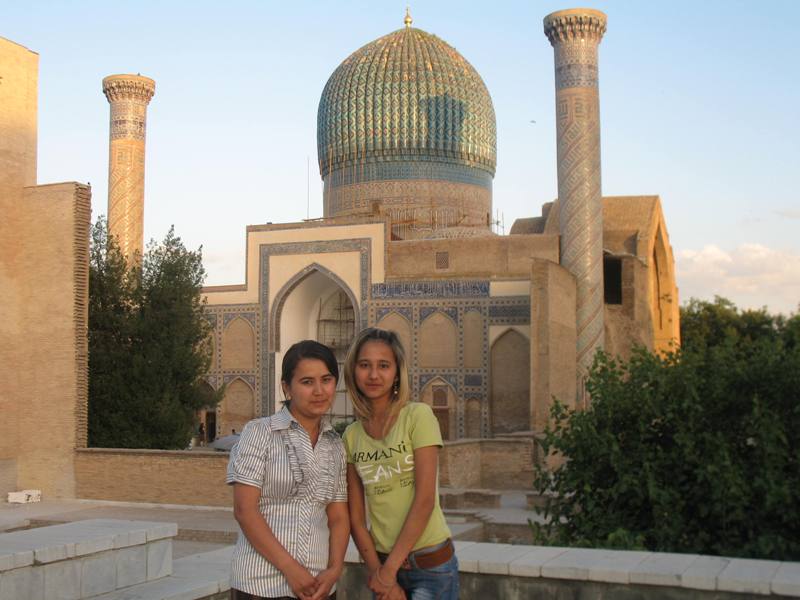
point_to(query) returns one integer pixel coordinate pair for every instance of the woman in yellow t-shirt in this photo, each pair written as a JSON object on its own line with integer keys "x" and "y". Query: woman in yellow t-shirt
{"x": 392, "y": 477}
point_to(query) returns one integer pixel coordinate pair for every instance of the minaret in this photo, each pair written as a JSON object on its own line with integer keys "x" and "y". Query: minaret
{"x": 575, "y": 35}
{"x": 129, "y": 96}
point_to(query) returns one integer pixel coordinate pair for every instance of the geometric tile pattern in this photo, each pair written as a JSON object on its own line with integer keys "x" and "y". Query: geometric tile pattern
{"x": 575, "y": 35}
{"x": 416, "y": 301}
{"x": 431, "y": 289}
{"x": 405, "y": 95}
{"x": 128, "y": 96}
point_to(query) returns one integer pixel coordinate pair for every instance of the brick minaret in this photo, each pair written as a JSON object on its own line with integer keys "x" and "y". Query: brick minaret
{"x": 129, "y": 96}
{"x": 575, "y": 35}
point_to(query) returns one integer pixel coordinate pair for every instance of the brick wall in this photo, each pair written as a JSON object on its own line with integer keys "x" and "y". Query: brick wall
{"x": 198, "y": 478}
{"x": 500, "y": 463}
{"x": 158, "y": 476}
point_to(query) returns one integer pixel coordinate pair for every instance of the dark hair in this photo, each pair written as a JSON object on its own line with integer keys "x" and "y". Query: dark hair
{"x": 307, "y": 349}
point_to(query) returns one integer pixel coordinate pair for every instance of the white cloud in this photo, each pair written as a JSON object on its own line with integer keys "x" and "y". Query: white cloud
{"x": 751, "y": 275}
{"x": 223, "y": 267}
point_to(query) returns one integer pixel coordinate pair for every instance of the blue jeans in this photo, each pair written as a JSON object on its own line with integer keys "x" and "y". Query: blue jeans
{"x": 437, "y": 583}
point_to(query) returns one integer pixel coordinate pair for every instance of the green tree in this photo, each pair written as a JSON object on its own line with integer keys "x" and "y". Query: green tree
{"x": 694, "y": 451}
{"x": 148, "y": 347}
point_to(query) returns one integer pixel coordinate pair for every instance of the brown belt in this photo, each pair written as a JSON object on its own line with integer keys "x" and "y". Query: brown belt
{"x": 425, "y": 558}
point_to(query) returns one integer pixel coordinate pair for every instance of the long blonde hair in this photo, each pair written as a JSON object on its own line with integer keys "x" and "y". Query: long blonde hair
{"x": 362, "y": 405}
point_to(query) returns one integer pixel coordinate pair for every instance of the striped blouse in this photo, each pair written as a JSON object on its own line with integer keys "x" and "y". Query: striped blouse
{"x": 297, "y": 482}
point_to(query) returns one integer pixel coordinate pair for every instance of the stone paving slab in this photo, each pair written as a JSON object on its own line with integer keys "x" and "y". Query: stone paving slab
{"x": 12, "y": 522}
{"x": 530, "y": 563}
{"x": 702, "y": 573}
{"x": 498, "y": 560}
{"x": 787, "y": 580}
{"x": 192, "y": 577}
{"x": 748, "y": 576}
{"x": 610, "y": 566}
{"x": 662, "y": 568}
{"x": 60, "y": 542}
{"x": 469, "y": 553}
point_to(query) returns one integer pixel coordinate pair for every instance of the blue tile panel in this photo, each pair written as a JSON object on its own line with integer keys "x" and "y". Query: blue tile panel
{"x": 431, "y": 289}
{"x": 421, "y": 167}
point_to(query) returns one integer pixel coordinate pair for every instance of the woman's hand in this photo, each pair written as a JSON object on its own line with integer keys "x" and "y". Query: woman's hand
{"x": 381, "y": 580}
{"x": 325, "y": 581}
{"x": 396, "y": 593}
{"x": 303, "y": 583}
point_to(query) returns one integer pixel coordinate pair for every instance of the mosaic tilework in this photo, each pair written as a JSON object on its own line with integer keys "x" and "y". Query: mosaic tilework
{"x": 250, "y": 317}
{"x": 405, "y": 94}
{"x": 450, "y": 311}
{"x": 385, "y": 310}
{"x": 416, "y": 301}
{"x": 575, "y": 36}
{"x": 220, "y": 315}
{"x": 431, "y": 289}
{"x": 510, "y": 311}
{"x": 419, "y": 167}
{"x": 250, "y": 379}
{"x": 473, "y": 380}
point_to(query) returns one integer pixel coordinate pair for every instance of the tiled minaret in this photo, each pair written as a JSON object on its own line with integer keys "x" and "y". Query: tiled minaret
{"x": 128, "y": 96}
{"x": 575, "y": 35}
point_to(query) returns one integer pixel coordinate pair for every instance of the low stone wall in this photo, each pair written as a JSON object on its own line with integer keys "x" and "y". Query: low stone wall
{"x": 499, "y": 463}
{"x": 198, "y": 478}
{"x": 516, "y": 572}
{"x": 84, "y": 559}
{"x": 156, "y": 476}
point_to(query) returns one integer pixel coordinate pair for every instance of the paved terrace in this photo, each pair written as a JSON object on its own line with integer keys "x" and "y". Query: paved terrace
{"x": 202, "y": 554}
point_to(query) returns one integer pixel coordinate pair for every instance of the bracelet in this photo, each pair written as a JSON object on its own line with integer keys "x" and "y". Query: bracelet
{"x": 381, "y": 581}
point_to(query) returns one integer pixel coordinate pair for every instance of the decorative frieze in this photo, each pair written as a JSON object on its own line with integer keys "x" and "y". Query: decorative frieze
{"x": 432, "y": 289}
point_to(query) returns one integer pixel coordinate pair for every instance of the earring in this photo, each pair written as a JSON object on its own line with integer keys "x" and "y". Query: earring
{"x": 396, "y": 388}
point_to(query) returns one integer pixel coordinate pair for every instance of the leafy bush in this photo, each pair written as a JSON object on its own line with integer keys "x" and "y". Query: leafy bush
{"x": 694, "y": 451}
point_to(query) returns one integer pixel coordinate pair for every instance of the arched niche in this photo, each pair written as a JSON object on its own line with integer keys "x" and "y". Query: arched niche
{"x": 315, "y": 304}
{"x": 472, "y": 418}
{"x": 237, "y": 407}
{"x": 397, "y": 323}
{"x": 438, "y": 342}
{"x": 663, "y": 294}
{"x": 442, "y": 398}
{"x": 238, "y": 345}
{"x": 473, "y": 340}
{"x": 510, "y": 383}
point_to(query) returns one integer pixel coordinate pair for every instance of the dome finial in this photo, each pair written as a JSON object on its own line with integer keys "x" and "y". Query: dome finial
{"x": 408, "y": 19}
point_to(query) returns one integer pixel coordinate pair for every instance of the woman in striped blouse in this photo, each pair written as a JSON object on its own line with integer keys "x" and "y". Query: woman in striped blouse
{"x": 290, "y": 490}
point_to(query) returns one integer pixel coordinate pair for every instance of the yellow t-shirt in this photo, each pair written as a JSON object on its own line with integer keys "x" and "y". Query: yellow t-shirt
{"x": 386, "y": 468}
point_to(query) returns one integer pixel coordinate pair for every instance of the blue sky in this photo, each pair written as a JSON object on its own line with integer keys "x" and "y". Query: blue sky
{"x": 699, "y": 104}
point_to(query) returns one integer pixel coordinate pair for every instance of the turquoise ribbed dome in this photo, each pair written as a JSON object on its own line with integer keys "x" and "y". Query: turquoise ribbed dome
{"x": 407, "y": 96}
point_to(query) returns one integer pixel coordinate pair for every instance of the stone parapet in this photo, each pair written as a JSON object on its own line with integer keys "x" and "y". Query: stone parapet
{"x": 84, "y": 559}
{"x": 516, "y": 571}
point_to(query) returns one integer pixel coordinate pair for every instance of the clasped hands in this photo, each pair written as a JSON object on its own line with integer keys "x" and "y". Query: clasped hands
{"x": 308, "y": 587}
{"x": 384, "y": 584}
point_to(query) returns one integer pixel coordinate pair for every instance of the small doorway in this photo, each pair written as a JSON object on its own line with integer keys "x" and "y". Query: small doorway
{"x": 211, "y": 425}
{"x": 442, "y": 410}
